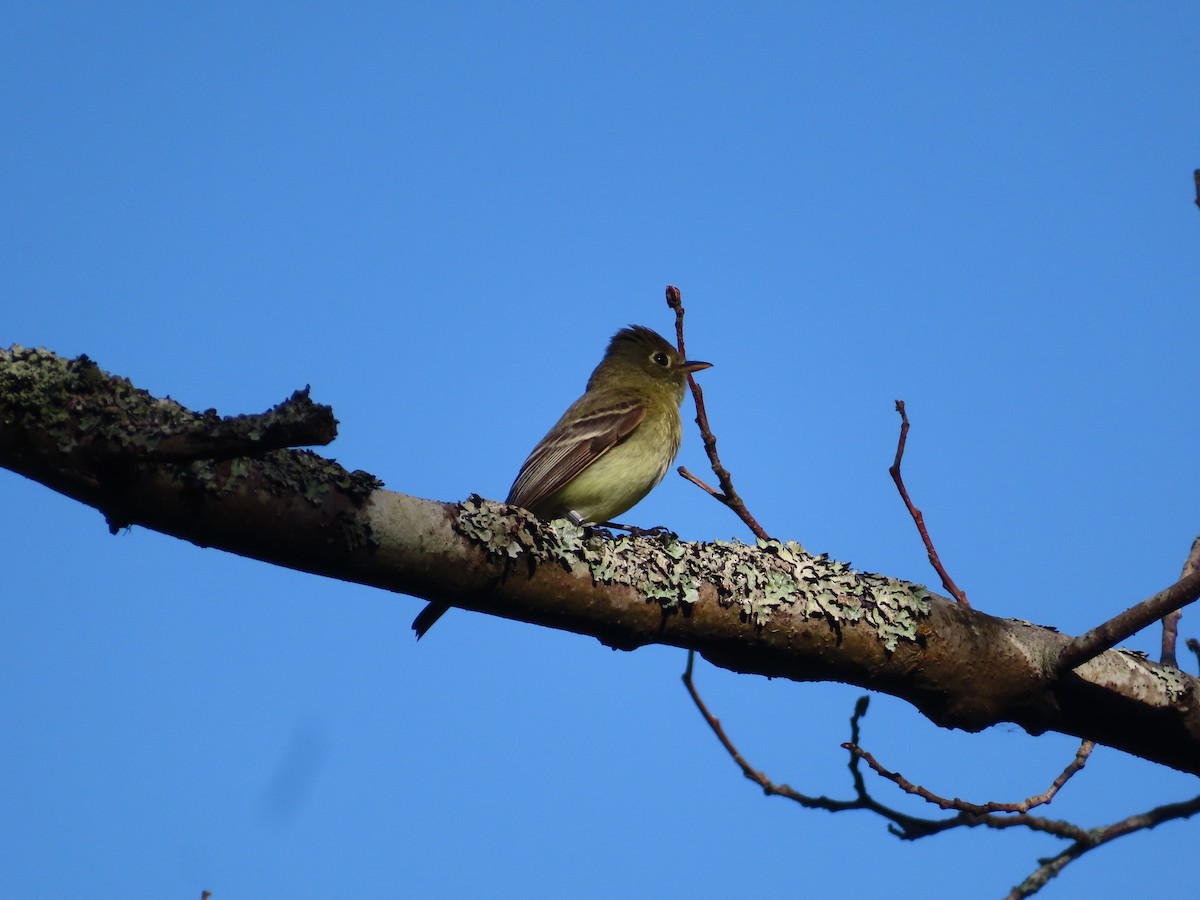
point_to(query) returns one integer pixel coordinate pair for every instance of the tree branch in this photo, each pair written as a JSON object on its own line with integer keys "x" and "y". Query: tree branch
{"x": 1094, "y": 838}
{"x": 863, "y": 800}
{"x": 775, "y": 611}
{"x": 918, "y": 519}
{"x": 1103, "y": 637}
{"x": 968, "y": 815}
{"x": 1170, "y": 622}
{"x": 982, "y": 809}
{"x": 728, "y": 494}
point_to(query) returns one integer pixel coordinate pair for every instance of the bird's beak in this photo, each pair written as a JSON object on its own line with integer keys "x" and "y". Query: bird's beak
{"x": 694, "y": 365}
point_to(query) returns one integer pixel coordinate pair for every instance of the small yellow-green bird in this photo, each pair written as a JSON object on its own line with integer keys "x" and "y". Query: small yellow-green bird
{"x": 613, "y": 444}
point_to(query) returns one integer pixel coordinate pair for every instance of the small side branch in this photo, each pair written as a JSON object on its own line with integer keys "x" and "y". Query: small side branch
{"x": 982, "y": 809}
{"x": 296, "y": 422}
{"x": 1016, "y": 814}
{"x": 1118, "y": 628}
{"x": 902, "y": 823}
{"x": 1171, "y": 620}
{"x": 1097, "y": 837}
{"x": 727, "y": 495}
{"x": 934, "y": 560}
{"x": 967, "y": 815}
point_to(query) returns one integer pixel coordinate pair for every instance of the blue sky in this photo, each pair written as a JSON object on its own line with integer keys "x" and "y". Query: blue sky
{"x": 436, "y": 215}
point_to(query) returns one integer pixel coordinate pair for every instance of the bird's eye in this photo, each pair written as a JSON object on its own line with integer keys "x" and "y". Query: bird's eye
{"x": 660, "y": 359}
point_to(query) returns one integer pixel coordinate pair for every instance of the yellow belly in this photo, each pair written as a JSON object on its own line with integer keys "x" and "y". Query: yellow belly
{"x": 622, "y": 476}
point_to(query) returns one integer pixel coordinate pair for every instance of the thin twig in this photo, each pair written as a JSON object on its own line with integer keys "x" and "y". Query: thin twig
{"x": 686, "y": 473}
{"x": 1049, "y": 868}
{"x": 1196, "y": 178}
{"x": 715, "y": 724}
{"x": 1193, "y": 645}
{"x": 1083, "y": 839}
{"x": 1118, "y": 628}
{"x": 902, "y": 825}
{"x": 1023, "y": 806}
{"x": 934, "y": 560}
{"x": 1171, "y": 620}
{"x": 991, "y": 815}
{"x": 1170, "y": 623}
{"x": 727, "y": 495}
{"x": 908, "y": 826}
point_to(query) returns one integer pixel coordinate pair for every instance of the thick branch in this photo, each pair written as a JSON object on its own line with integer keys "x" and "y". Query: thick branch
{"x": 775, "y": 611}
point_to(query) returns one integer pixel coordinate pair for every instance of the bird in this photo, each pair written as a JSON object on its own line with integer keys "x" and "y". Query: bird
{"x": 612, "y": 445}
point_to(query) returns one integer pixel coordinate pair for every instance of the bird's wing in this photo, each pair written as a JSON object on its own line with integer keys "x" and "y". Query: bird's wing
{"x": 570, "y": 447}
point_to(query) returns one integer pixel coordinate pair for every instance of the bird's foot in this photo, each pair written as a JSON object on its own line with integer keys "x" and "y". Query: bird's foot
{"x": 660, "y": 531}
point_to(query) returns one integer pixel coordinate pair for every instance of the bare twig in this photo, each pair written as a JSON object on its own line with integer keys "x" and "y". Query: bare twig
{"x": 1080, "y": 760}
{"x": 727, "y": 495}
{"x": 686, "y": 473}
{"x": 1094, "y": 838}
{"x": 1106, "y": 636}
{"x": 1193, "y": 645}
{"x": 1083, "y": 839}
{"x": 979, "y": 809}
{"x": 902, "y": 825}
{"x": 1170, "y": 623}
{"x": 1196, "y": 178}
{"x": 906, "y": 824}
{"x": 1171, "y": 620}
{"x": 968, "y": 815}
{"x": 934, "y": 560}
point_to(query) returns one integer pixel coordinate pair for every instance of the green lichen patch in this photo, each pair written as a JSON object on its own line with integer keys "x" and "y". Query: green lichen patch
{"x": 503, "y": 535}
{"x": 37, "y": 386}
{"x": 761, "y": 580}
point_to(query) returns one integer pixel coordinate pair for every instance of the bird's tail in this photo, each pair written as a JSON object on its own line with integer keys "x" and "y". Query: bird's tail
{"x": 430, "y": 614}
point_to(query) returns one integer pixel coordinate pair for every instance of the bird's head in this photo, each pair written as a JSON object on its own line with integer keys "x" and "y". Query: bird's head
{"x": 639, "y": 352}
